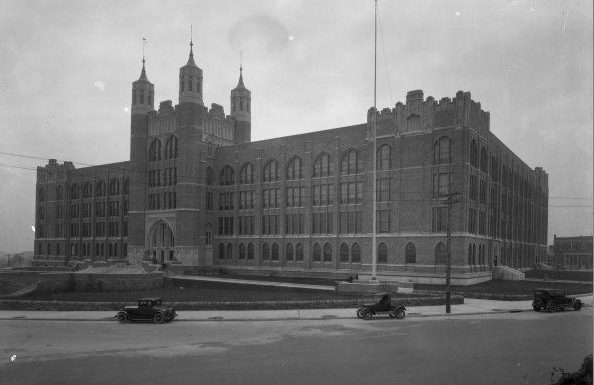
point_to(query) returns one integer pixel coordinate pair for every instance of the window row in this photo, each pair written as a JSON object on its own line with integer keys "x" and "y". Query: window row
{"x": 86, "y": 190}
{"x": 86, "y": 250}
{"x": 155, "y": 153}
{"x": 164, "y": 177}
{"x": 162, "y": 201}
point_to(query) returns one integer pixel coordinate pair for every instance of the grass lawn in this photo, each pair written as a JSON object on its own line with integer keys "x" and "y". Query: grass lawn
{"x": 197, "y": 292}
{"x": 511, "y": 287}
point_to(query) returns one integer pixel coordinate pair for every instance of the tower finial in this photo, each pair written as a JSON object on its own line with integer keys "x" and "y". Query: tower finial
{"x": 143, "y": 73}
{"x": 240, "y": 62}
{"x": 191, "y": 58}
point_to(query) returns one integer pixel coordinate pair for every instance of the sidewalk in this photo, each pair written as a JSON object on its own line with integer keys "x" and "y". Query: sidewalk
{"x": 249, "y": 282}
{"x": 470, "y": 306}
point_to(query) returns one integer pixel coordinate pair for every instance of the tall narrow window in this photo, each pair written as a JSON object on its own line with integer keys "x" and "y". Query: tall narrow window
{"x": 410, "y": 253}
{"x": 382, "y": 253}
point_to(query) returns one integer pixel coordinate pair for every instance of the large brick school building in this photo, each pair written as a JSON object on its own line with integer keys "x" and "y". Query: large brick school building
{"x": 198, "y": 192}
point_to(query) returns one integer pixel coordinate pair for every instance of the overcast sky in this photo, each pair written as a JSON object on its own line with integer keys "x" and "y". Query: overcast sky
{"x": 66, "y": 70}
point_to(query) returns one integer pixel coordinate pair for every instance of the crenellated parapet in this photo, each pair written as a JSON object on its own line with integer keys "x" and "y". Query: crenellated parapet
{"x": 54, "y": 171}
{"x": 164, "y": 120}
{"x": 217, "y": 128}
{"x": 419, "y": 114}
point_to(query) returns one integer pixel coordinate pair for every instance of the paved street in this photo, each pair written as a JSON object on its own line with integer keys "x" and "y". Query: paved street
{"x": 501, "y": 348}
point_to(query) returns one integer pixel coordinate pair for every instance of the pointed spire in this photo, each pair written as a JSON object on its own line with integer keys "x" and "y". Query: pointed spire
{"x": 143, "y": 73}
{"x": 240, "y": 83}
{"x": 191, "y": 58}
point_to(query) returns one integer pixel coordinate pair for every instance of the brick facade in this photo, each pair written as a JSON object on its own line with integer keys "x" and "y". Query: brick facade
{"x": 200, "y": 193}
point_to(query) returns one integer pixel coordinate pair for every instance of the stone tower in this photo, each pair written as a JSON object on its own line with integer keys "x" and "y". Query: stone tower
{"x": 143, "y": 93}
{"x": 241, "y": 100}
{"x": 190, "y": 81}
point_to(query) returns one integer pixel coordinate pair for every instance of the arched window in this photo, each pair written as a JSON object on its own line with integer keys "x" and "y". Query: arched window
{"x": 442, "y": 151}
{"x": 317, "y": 252}
{"x": 483, "y": 159}
{"x": 209, "y": 176}
{"x": 474, "y": 254}
{"x": 126, "y": 186}
{"x": 289, "y": 252}
{"x": 350, "y": 163}
{"x": 270, "y": 173}
{"x": 229, "y": 251}
{"x": 440, "y": 254}
{"x": 246, "y": 175}
{"x": 100, "y": 190}
{"x": 383, "y": 157}
{"x": 265, "y": 252}
{"x": 294, "y": 169}
{"x": 171, "y": 147}
{"x": 59, "y": 192}
{"x": 327, "y": 252}
{"x": 241, "y": 251}
{"x": 410, "y": 253}
{"x": 250, "y": 254}
{"x": 41, "y": 194}
{"x": 382, "y": 253}
{"x": 155, "y": 150}
{"x": 344, "y": 252}
{"x": 74, "y": 191}
{"x": 322, "y": 166}
{"x": 299, "y": 252}
{"x": 356, "y": 253}
{"x": 221, "y": 251}
{"x": 494, "y": 168}
{"x": 275, "y": 251}
{"x": 227, "y": 177}
{"x": 473, "y": 154}
{"x": 114, "y": 187}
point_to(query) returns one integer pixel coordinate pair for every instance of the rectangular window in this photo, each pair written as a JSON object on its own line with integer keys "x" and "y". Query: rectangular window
{"x": 322, "y": 223}
{"x": 350, "y": 222}
{"x": 383, "y": 221}
{"x": 438, "y": 219}
{"x": 383, "y": 189}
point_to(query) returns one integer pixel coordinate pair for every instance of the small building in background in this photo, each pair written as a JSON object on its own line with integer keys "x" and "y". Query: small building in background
{"x": 573, "y": 253}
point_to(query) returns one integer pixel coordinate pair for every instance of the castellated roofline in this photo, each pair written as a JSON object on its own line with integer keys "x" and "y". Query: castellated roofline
{"x": 420, "y": 114}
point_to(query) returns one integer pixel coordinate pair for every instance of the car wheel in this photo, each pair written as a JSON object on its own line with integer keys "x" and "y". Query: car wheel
{"x": 577, "y": 305}
{"x": 366, "y": 314}
{"x": 551, "y": 307}
{"x": 159, "y": 318}
{"x": 359, "y": 311}
{"x": 122, "y": 317}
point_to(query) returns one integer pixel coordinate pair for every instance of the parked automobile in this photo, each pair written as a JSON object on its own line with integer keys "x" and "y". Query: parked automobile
{"x": 148, "y": 309}
{"x": 384, "y": 306}
{"x": 552, "y": 300}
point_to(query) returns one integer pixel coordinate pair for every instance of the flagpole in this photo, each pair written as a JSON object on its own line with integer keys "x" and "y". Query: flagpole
{"x": 374, "y": 246}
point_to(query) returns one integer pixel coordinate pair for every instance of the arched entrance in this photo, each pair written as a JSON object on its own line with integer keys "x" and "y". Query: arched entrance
{"x": 161, "y": 243}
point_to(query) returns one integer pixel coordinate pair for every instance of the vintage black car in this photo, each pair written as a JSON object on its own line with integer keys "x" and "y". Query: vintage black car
{"x": 552, "y": 300}
{"x": 148, "y": 309}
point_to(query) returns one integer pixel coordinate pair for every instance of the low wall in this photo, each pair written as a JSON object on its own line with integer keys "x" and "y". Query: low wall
{"x": 371, "y": 287}
{"x": 506, "y": 273}
{"x": 257, "y": 272}
{"x": 564, "y": 275}
{"x": 466, "y": 279}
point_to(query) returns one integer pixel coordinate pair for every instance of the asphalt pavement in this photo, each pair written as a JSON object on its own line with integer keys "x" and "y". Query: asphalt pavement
{"x": 470, "y": 306}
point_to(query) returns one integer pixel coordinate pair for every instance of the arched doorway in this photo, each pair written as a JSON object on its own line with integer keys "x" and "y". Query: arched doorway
{"x": 161, "y": 243}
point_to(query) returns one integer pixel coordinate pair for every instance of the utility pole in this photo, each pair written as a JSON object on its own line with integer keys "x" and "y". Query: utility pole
{"x": 452, "y": 198}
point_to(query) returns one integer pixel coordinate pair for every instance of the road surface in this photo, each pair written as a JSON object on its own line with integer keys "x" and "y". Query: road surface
{"x": 507, "y": 348}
